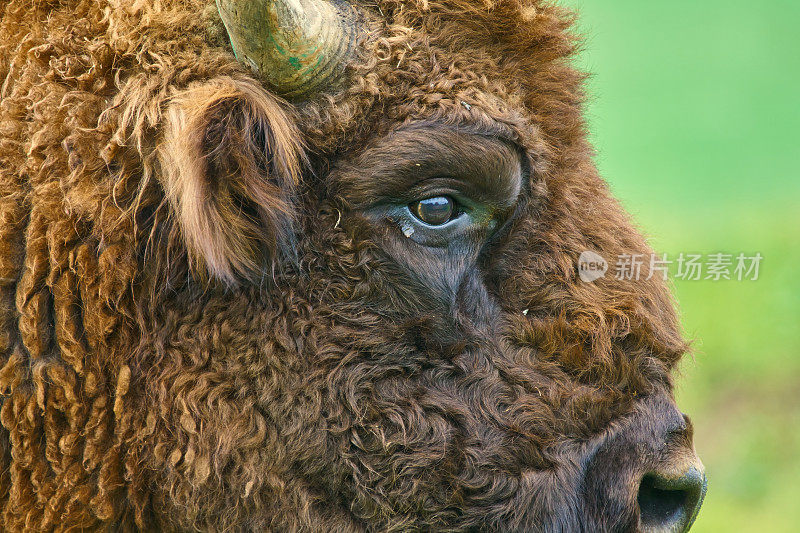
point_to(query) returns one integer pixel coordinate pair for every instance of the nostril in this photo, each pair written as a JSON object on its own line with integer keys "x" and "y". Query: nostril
{"x": 670, "y": 504}
{"x": 657, "y": 505}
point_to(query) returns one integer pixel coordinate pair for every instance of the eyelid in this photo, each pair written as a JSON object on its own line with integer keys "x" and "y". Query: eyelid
{"x": 454, "y": 188}
{"x": 443, "y": 186}
{"x": 488, "y": 167}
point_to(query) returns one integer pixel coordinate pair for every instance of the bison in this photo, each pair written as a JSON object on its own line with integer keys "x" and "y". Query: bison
{"x": 309, "y": 265}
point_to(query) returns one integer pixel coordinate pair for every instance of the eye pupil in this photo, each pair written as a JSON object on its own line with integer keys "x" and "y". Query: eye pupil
{"x": 434, "y": 211}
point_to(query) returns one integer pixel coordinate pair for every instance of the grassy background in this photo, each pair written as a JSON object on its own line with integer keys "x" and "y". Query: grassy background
{"x": 695, "y": 115}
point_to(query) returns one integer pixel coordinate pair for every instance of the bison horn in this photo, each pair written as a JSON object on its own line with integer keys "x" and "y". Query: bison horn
{"x": 297, "y": 46}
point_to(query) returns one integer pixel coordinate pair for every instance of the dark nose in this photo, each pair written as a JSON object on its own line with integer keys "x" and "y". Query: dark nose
{"x": 669, "y": 503}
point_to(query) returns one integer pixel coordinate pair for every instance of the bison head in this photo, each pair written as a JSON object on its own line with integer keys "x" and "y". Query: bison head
{"x": 360, "y": 310}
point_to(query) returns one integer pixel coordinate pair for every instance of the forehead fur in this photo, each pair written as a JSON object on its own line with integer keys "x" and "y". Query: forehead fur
{"x": 417, "y": 59}
{"x": 438, "y": 59}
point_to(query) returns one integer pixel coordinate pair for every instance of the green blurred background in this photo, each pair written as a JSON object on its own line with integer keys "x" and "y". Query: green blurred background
{"x": 695, "y": 113}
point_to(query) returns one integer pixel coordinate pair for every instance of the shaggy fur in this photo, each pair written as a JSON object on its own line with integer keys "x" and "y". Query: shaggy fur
{"x": 202, "y": 326}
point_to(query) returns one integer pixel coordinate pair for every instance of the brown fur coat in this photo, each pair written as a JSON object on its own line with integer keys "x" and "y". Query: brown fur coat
{"x": 176, "y": 355}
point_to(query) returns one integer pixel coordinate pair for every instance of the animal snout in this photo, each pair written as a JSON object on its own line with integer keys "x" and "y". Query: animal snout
{"x": 670, "y": 503}
{"x": 671, "y": 491}
{"x": 646, "y": 476}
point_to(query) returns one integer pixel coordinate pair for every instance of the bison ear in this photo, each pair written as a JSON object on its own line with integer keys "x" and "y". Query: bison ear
{"x": 231, "y": 160}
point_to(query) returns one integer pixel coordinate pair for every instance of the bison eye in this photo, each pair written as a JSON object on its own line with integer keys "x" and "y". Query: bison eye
{"x": 435, "y": 211}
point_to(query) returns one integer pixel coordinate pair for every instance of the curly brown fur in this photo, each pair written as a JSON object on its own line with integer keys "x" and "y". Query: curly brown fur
{"x": 201, "y": 327}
